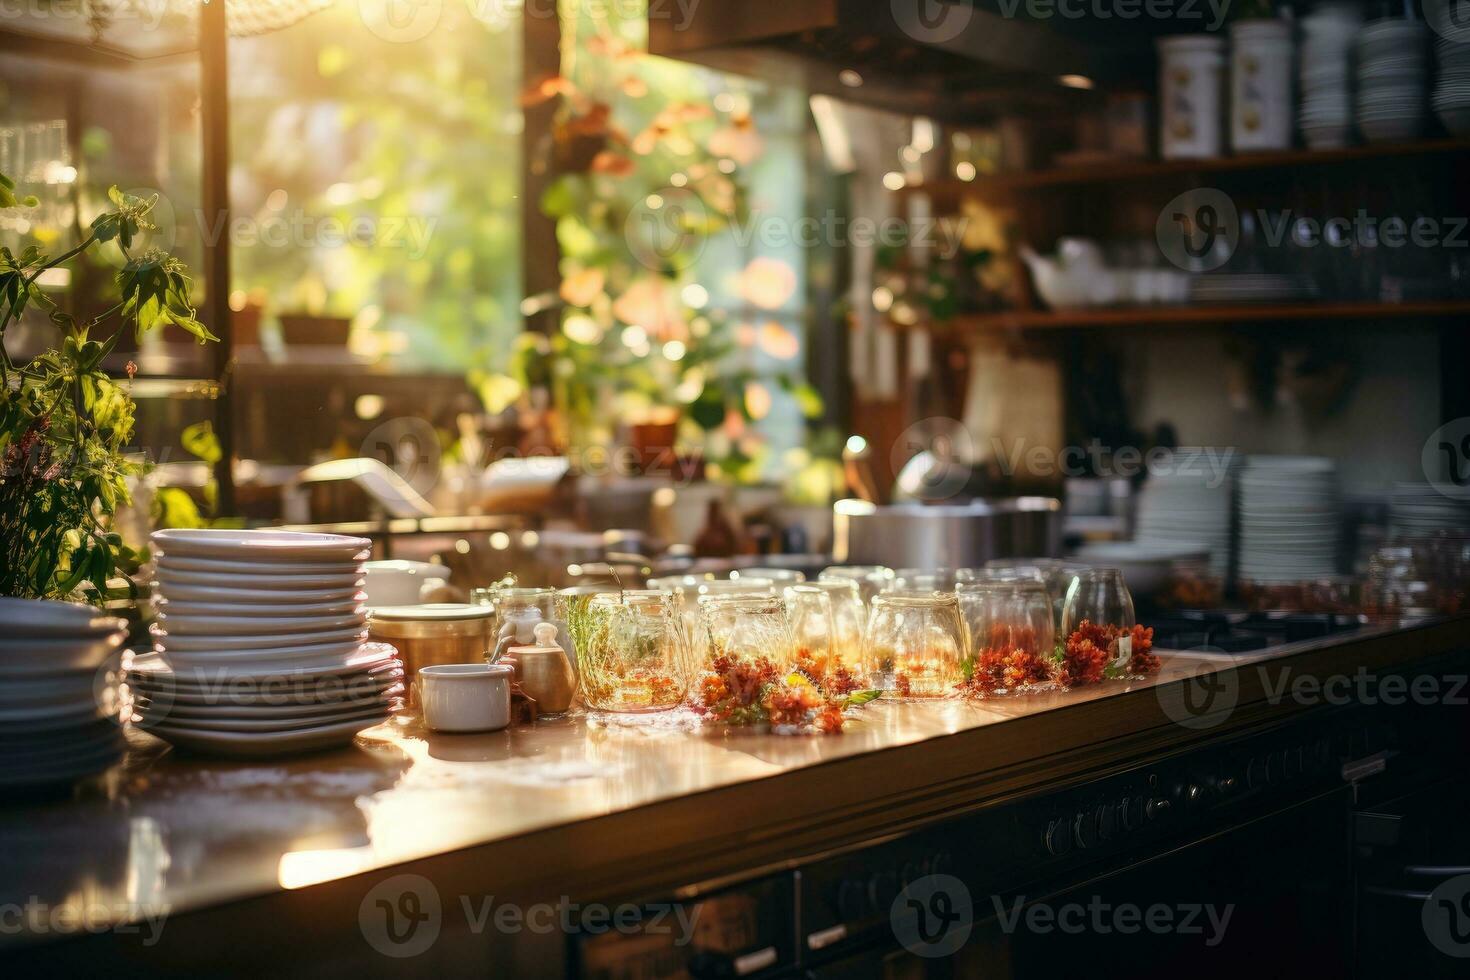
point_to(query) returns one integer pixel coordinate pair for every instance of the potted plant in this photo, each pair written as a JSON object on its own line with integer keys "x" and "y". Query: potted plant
{"x": 65, "y": 422}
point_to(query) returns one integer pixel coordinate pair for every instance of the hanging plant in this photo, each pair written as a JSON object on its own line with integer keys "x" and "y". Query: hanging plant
{"x": 65, "y": 422}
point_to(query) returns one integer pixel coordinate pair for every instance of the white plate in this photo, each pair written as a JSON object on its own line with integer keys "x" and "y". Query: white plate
{"x": 176, "y": 625}
{"x": 263, "y": 597}
{"x": 282, "y": 545}
{"x": 266, "y": 726}
{"x": 54, "y": 620}
{"x": 166, "y": 581}
{"x": 22, "y": 655}
{"x": 243, "y": 698}
{"x": 351, "y": 604}
{"x": 280, "y": 666}
{"x": 186, "y": 711}
{"x": 252, "y": 567}
{"x": 252, "y": 645}
{"x": 371, "y": 658}
{"x": 247, "y": 745}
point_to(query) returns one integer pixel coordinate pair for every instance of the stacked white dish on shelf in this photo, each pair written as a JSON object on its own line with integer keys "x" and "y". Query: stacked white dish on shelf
{"x": 1451, "y": 97}
{"x": 59, "y": 702}
{"x": 1393, "y": 77}
{"x": 1326, "y": 111}
{"x": 261, "y": 644}
{"x": 1418, "y": 509}
{"x": 1187, "y": 500}
{"x": 1289, "y": 518}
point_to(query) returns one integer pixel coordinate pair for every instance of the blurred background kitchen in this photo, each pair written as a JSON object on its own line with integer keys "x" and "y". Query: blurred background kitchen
{"x": 566, "y": 290}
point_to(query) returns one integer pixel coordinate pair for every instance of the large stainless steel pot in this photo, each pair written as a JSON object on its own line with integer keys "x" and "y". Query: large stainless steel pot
{"x": 946, "y": 535}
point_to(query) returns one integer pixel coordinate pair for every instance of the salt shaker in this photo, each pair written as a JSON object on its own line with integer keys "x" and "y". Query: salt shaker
{"x": 545, "y": 672}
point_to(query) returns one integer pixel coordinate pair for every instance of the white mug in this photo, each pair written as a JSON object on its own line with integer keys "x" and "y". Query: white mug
{"x": 465, "y": 697}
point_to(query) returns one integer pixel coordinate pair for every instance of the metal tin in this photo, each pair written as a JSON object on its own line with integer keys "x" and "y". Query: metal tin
{"x": 946, "y": 535}
{"x": 436, "y": 633}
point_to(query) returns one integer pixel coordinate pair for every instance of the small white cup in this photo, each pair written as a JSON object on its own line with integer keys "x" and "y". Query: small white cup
{"x": 465, "y": 697}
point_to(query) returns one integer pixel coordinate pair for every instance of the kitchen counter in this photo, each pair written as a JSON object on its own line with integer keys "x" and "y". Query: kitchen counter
{"x": 594, "y": 809}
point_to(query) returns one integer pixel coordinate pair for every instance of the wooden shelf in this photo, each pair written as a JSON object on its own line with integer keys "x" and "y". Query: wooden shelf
{"x": 1121, "y": 171}
{"x": 1188, "y": 315}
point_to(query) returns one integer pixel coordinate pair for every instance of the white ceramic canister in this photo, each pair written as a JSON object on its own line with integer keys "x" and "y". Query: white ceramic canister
{"x": 1191, "y": 83}
{"x": 1261, "y": 59}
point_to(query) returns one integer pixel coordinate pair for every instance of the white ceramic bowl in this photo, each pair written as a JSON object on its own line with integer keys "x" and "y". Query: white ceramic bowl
{"x": 465, "y": 697}
{"x": 400, "y": 583}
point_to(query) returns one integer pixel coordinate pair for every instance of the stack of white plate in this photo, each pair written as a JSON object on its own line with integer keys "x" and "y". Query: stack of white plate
{"x": 246, "y": 712}
{"x": 1188, "y": 501}
{"x": 1326, "y": 114}
{"x": 261, "y": 607}
{"x": 1419, "y": 509}
{"x": 1393, "y": 77}
{"x": 1289, "y": 518}
{"x": 1451, "y": 98}
{"x": 58, "y": 702}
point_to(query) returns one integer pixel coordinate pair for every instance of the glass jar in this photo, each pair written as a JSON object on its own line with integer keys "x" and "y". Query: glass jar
{"x": 917, "y": 643}
{"x": 1012, "y": 634}
{"x": 923, "y": 580}
{"x": 827, "y": 622}
{"x": 632, "y": 650}
{"x": 1097, "y": 630}
{"x": 746, "y": 627}
{"x": 780, "y": 576}
{"x": 518, "y": 610}
{"x": 870, "y": 579}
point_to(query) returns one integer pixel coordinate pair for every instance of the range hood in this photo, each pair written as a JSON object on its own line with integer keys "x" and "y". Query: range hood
{"x": 950, "y": 59}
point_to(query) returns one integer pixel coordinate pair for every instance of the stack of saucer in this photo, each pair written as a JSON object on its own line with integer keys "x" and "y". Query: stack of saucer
{"x": 1451, "y": 97}
{"x": 253, "y": 713}
{"x": 1393, "y": 77}
{"x": 58, "y": 704}
{"x": 1326, "y": 114}
{"x": 1188, "y": 498}
{"x": 240, "y": 611}
{"x": 1421, "y": 509}
{"x": 1289, "y": 519}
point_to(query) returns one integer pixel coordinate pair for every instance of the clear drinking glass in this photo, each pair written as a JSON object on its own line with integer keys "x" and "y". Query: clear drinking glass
{"x": 918, "y": 644}
{"x": 633, "y": 651}
{"x": 1012, "y": 634}
{"x": 870, "y": 579}
{"x": 827, "y": 621}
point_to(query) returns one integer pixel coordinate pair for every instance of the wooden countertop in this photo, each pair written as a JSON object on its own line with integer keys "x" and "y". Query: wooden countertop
{"x": 596, "y": 809}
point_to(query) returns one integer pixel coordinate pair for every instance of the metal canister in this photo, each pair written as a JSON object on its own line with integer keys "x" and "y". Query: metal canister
{"x": 435, "y": 633}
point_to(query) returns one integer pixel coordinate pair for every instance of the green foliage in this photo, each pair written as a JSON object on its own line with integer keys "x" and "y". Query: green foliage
{"x": 65, "y": 424}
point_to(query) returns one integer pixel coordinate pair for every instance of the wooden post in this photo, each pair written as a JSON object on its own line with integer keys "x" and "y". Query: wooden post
{"x": 214, "y": 101}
